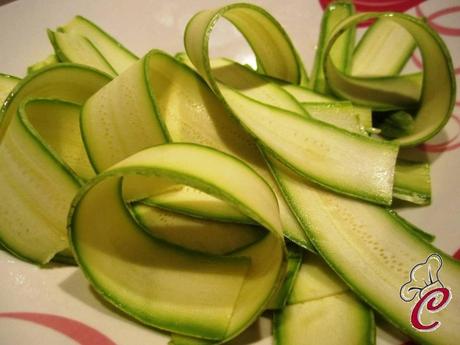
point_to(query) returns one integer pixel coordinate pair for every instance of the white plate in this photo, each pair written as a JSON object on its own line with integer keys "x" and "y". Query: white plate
{"x": 142, "y": 25}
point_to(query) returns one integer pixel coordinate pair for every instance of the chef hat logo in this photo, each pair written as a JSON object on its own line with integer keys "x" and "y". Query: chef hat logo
{"x": 423, "y": 278}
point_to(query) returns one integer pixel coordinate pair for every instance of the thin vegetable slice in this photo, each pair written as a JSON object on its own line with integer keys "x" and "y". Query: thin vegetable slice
{"x": 196, "y": 234}
{"x": 315, "y": 280}
{"x": 192, "y": 202}
{"x": 57, "y": 123}
{"x": 241, "y": 295}
{"x": 275, "y": 53}
{"x": 323, "y": 153}
{"x": 322, "y": 321}
{"x": 412, "y": 182}
{"x": 78, "y": 49}
{"x": 342, "y": 51}
{"x": 119, "y": 57}
{"x": 438, "y": 92}
{"x": 384, "y": 50}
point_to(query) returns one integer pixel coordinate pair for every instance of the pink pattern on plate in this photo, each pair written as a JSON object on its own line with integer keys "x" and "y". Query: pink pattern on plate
{"x": 444, "y": 30}
{"x": 380, "y": 5}
{"x": 457, "y": 254}
{"x": 76, "y": 330}
{"x": 447, "y": 145}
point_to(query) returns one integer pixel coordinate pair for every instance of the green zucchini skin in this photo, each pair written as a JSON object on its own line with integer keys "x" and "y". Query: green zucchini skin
{"x": 372, "y": 251}
{"x": 438, "y": 89}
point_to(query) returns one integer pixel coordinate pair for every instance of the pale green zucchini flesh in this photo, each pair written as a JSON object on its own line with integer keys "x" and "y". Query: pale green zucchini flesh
{"x": 57, "y": 122}
{"x": 118, "y": 57}
{"x": 305, "y": 95}
{"x": 315, "y": 280}
{"x": 37, "y": 192}
{"x": 384, "y": 50}
{"x": 334, "y": 320}
{"x": 373, "y": 251}
{"x": 339, "y": 114}
{"x": 200, "y": 235}
{"x": 192, "y": 202}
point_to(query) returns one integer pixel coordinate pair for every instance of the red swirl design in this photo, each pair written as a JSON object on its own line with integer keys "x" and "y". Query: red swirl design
{"x": 76, "y": 330}
{"x": 380, "y": 5}
{"x": 444, "y": 30}
{"x": 448, "y": 145}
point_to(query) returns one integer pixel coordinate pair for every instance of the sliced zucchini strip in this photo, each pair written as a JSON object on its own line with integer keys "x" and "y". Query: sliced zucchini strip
{"x": 196, "y": 234}
{"x": 341, "y": 53}
{"x": 118, "y": 57}
{"x": 193, "y": 202}
{"x": 323, "y": 322}
{"x": 339, "y": 114}
{"x": 384, "y": 50}
{"x": 166, "y": 282}
{"x": 412, "y": 180}
{"x": 373, "y": 251}
{"x": 274, "y": 51}
{"x": 438, "y": 90}
{"x": 74, "y": 48}
{"x": 37, "y": 184}
{"x": 321, "y": 152}
{"x": 315, "y": 280}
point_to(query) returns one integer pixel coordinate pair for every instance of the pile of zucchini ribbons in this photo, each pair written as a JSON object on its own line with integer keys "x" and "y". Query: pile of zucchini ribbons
{"x": 196, "y": 193}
